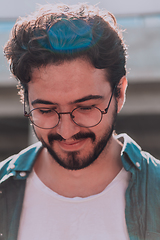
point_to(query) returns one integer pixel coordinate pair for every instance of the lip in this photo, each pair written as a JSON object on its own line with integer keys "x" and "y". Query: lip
{"x": 72, "y": 146}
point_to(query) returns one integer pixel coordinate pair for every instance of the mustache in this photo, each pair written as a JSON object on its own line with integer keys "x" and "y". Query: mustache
{"x": 78, "y": 136}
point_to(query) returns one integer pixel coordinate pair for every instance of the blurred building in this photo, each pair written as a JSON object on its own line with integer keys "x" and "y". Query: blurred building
{"x": 140, "y": 117}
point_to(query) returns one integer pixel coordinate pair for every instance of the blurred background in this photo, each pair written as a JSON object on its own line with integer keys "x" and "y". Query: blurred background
{"x": 140, "y": 117}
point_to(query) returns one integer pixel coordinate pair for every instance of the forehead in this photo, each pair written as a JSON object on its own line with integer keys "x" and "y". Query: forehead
{"x": 71, "y": 80}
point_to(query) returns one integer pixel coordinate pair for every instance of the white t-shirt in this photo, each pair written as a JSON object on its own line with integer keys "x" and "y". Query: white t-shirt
{"x": 49, "y": 216}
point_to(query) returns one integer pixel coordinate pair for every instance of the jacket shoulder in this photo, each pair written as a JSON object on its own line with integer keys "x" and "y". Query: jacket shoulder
{"x": 150, "y": 161}
{"x": 151, "y": 169}
{"x": 4, "y": 165}
{"x": 23, "y": 161}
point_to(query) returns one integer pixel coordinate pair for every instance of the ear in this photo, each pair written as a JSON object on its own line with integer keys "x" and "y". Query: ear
{"x": 122, "y": 86}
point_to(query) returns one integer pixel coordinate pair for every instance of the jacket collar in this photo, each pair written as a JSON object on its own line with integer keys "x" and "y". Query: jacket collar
{"x": 20, "y": 165}
{"x": 26, "y": 158}
{"x": 131, "y": 152}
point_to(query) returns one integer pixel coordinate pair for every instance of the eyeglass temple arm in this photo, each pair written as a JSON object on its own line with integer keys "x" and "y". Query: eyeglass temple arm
{"x": 24, "y": 109}
{"x": 106, "y": 109}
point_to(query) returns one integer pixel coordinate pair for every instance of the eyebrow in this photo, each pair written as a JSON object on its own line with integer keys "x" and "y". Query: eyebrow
{"x": 40, "y": 101}
{"x": 87, "y": 98}
{"x": 84, "y": 99}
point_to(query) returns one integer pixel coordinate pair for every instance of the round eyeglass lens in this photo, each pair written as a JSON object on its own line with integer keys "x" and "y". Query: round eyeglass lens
{"x": 86, "y": 116}
{"x": 44, "y": 117}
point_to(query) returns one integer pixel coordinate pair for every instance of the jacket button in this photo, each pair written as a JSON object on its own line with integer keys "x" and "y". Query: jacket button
{"x": 137, "y": 164}
{"x": 0, "y": 193}
{"x": 22, "y": 174}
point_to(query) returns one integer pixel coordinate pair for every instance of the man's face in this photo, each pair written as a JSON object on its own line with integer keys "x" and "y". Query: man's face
{"x": 65, "y": 87}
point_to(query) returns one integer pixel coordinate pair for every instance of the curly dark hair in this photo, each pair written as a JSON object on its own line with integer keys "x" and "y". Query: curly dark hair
{"x": 58, "y": 33}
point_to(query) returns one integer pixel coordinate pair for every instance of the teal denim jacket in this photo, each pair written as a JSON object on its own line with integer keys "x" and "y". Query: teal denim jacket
{"x": 142, "y": 195}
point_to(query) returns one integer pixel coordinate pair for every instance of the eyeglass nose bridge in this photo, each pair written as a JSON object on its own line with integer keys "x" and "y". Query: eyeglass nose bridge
{"x": 65, "y": 113}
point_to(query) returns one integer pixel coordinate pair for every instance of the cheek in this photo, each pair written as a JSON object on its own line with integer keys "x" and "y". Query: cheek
{"x": 105, "y": 125}
{"x": 41, "y": 133}
{"x": 99, "y": 130}
{"x": 106, "y": 121}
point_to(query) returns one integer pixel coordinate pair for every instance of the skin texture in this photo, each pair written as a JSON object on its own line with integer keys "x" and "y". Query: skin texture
{"x": 76, "y": 161}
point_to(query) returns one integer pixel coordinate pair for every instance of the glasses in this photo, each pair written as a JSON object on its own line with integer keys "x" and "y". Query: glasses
{"x": 84, "y": 116}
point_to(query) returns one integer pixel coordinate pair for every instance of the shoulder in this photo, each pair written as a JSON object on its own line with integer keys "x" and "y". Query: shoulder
{"x": 134, "y": 159}
{"x": 151, "y": 165}
{"x": 21, "y": 162}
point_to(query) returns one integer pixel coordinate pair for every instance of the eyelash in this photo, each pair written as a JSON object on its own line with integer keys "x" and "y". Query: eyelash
{"x": 45, "y": 111}
{"x": 83, "y": 107}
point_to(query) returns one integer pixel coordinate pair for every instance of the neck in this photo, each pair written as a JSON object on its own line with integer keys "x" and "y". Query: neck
{"x": 80, "y": 183}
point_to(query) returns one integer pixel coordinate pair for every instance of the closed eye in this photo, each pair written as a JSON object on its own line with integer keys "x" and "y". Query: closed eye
{"x": 46, "y": 110}
{"x": 85, "y": 108}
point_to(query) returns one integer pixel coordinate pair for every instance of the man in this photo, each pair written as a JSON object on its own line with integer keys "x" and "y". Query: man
{"x": 80, "y": 181}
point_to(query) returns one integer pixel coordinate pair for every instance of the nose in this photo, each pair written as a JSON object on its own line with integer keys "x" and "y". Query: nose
{"x": 66, "y": 127}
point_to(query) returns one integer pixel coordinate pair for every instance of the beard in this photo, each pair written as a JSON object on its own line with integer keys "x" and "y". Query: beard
{"x": 73, "y": 160}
